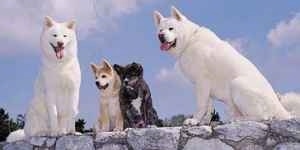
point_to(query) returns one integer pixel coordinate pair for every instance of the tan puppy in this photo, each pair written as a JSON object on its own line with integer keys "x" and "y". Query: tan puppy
{"x": 108, "y": 82}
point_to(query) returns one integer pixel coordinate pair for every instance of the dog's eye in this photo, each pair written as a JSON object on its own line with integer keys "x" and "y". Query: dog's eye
{"x": 103, "y": 76}
{"x": 65, "y": 35}
{"x": 160, "y": 30}
{"x": 171, "y": 29}
{"x": 55, "y": 35}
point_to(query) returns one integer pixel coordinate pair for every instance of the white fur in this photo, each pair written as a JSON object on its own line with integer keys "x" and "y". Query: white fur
{"x": 54, "y": 106}
{"x": 217, "y": 70}
{"x": 136, "y": 103}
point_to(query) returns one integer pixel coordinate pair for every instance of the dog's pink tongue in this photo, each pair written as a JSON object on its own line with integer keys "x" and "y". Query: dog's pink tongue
{"x": 59, "y": 54}
{"x": 165, "y": 46}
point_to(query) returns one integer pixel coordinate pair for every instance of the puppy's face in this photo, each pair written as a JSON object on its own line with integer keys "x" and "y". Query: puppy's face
{"x": 130, "y": 74}
{"x": 103, "y": 75}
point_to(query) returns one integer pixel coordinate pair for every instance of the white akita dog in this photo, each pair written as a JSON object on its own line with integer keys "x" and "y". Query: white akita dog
{"x": 54, "y": 106}
{"x": 218, "y": 71}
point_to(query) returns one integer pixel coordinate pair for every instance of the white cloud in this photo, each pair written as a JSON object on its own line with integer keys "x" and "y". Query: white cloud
{"x": 171, "y": 75}
{"x": 286, "y": 32}
{"x": 21, "y": 21}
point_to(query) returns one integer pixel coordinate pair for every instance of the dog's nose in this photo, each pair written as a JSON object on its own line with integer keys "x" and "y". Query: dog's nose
{"x": 97, "y": 83}
{"x": 60, "y": 44}
{"x": 161, "y": 38}
{"x": 141, "y": 124}
{"x": 125, "y": 81}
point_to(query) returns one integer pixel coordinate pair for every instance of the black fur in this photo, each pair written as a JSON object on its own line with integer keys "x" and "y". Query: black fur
{"x": 134, "y": 86}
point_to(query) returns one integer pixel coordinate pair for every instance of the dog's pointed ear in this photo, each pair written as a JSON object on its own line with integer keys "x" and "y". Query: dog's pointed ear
{"x": 138, "y": 68}
{"x": 119, "y": 69}
{"x": 106, "y": 64}
{"x": 157, "y": 17}
{"x": 71, "y": 24}
{"x": 49, "y": 22}
{"x": 175, "y": 13}
{"x": 94, "y": 68}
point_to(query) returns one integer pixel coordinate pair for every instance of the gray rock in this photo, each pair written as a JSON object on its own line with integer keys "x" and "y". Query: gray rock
{"x": 110, "y": 137}
{"x": 19, "y": 145}
{"x": 75, "y": 143}
{"x": 154, "y": 138}
{"x": 288, "y": 128}
{"x": 37, "y": 141}
{"x": 287, "y": 146}
{"x": 252, "y": 147}
{"x": 2, "y": 144}
{"x": 50, "y": 142}
{"x": 201, "y": 131}
{"x": 113, "y": 147}
{"x": 202, "y": 144}
{"x": 236, "y": 131}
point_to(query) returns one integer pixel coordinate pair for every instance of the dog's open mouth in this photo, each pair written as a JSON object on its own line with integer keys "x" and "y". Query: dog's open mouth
{"x": 103, "y": 87}
{"x": 164, "y": 46}
{"x": 58, "y": 51}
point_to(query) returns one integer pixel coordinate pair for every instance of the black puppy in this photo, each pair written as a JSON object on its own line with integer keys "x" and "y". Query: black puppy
{"x": 135, "y": 98}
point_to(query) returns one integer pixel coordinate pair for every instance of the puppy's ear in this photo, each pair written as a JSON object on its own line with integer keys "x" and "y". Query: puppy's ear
{"x": 106, "y": 64}
{"x": 157, "y": 17}
{"x": 175, "y": 13}
{"x": 94, "y": 68}
{"x": 49, "y": 22}
{"x": 138, "y": 67}
{"x": 71, "y": 24}
{"x": 119, "y": 69}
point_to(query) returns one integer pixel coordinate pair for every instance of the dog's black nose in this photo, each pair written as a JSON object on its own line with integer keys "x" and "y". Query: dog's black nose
{"x": 97, "y": 83}
{"x": 60, "y": 44}
{"x": 161, "y": 38}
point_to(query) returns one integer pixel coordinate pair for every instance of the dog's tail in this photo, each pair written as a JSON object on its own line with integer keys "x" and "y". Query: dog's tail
{"x": 16, "y": 136}
{"x": 291, "y": 102}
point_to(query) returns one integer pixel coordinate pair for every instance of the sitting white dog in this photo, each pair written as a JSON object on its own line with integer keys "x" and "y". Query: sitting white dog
{"x": 54, "y": 105}
{"x": 217, "y": 70}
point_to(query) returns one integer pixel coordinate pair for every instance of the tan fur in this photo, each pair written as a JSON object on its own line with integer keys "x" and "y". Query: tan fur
{"x": 110, "y": 113}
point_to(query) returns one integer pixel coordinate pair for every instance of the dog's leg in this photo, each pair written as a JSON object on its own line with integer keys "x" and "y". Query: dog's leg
{"x": 204, "y": 104}
{"x": 73, "y": 111}
{"x": 53, "y": 122}
{"x": 119, "y": 122}
{"x": 104, "y": 118}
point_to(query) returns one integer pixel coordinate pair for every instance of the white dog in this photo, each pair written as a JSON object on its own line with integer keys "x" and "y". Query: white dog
{"x": 54, "y": 105}
{"x": 217, "y": 70}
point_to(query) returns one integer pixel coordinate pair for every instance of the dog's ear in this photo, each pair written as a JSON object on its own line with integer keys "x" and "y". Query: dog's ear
{"x": 138, "y": 67}
{"x": 49, "y": 22}
{"x": 157, "y": 17}
{"x": 71, "y": 24}
{"x": 175, "y": 13}
{"x": 106, "y": 64}
{"x": 94, "y": 68}
{"x": 119, "y": 69}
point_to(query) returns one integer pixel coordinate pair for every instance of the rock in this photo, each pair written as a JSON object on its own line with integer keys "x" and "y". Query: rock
{"x": 211, "y": 144}
{"x": 113, "y": 147}
{"x": 37, "y": 141}
{"x": 287, "y": 146}
{"x": 236, "y": 131}
{"x": 110, "y": 140}
{"x": 200, "y": 131}
{"x": 19, "y": 145}
{"x": 75, "y": 143}
{"x": 288, "y": 128}
{"x": 252, "y": 147}
{"x": 50, "y": 142}
{"x": 154, "y": 138}
{"x": 2, "y": 144}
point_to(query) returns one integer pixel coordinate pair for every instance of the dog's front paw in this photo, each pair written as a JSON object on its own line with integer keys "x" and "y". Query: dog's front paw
{"x": 191, "y": 122}
{"x": 117, "y": 130}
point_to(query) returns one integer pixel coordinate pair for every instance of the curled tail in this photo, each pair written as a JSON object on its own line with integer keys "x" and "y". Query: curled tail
{"x": 291, "y": 102}
{"x": 16, "y": 136}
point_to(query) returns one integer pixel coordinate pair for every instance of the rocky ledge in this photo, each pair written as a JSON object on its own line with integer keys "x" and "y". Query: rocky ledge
{"x": 242, "y": 135}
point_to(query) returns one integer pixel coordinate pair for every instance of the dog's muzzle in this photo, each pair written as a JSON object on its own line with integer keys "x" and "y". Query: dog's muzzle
{"x": 58, "y": 49}
{"x": 101, "y": 87}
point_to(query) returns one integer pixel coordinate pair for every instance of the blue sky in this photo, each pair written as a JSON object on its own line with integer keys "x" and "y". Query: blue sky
{"x": 267, "y": 32}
